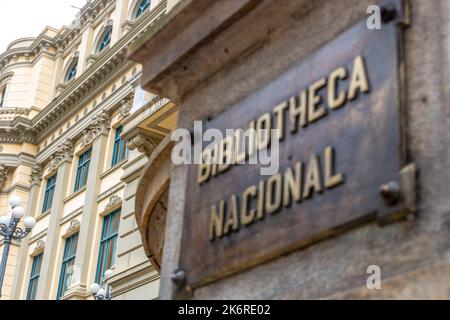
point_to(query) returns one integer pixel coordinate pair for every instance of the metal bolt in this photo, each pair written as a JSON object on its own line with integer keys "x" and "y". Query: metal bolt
{"x": 179, "y": 278}
{"x": 390, "y": 192}
{"x": 388, "y": 12}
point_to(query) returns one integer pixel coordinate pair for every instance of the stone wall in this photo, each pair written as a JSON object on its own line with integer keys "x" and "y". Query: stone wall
{"x": 270, "y": 37}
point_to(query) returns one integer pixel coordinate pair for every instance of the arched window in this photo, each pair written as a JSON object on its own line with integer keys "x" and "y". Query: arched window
{"x": 2, "y": 95}
{"x": 105, "y": 40}
{"x": 72, "y": 72}
{"x": 144, "y": 5}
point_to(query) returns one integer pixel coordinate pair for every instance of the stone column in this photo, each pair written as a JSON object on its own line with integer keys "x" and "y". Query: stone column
{"x": 36, "y": 179}
{"x": 60, "y": 163}
{"x": 97, "y": 133}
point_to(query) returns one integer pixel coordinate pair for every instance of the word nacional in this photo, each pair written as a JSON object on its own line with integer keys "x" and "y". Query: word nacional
{"x": 295, "y": 184}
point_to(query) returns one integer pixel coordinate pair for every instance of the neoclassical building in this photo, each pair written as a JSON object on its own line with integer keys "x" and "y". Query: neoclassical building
{"x": 76, "y": 131}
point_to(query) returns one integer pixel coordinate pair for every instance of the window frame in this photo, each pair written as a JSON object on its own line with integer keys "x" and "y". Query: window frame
{"x": 105, "y": 240}
{"x": 2, "y": 96}
{"x": 120, "y": 151}
{"x": 49, "y": 193}
{"x": 34, "y": 277}
{"x": 141, "y": 8}
{"x": 72, "y": 71}
{"x": 70, "y": 253}
{"x": 84, "y": 162}
{"x": 101, "y": 46}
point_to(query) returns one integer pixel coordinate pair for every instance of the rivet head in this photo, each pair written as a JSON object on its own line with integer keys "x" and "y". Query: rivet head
{"x": 388, "y": 12}
{"x": 390, "y": 192}
{"x": 179, "y": 278}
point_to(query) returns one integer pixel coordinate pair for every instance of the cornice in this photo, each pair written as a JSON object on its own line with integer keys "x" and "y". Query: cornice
{"x": 18, "y": 186}
{"x": 9, "y": 114}
{"x": 111, "y": 103}
{"x": 5, "y": 77}
{"x": 92, "y": 12}
{"x": 16, "y": 134}
{"x": 79, "y": 92}
{"x": 15, "y": 160}
{"x": 96, "y": 73}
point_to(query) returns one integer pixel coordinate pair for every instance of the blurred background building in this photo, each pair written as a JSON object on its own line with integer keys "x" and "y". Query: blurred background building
{"x": 76, "y": 130}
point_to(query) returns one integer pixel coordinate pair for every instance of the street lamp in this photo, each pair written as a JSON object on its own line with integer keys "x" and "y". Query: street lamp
{"x": 10, "y": 231}
{"x": 102, "y": 293}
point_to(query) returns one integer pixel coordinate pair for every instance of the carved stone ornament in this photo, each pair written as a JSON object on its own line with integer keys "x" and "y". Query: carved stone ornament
{"x": 73, "y": 228}
{"x": 114, "y": 201}
{"x": 36, "y": 175}
{"x": 100, "y": 125}
{"x": 125, "y": 109}
{"x": 3, "y": 175}
{"x": 144, "y": 143}
{"x": 40, "y": 247}
{"x": 63, "y": 153}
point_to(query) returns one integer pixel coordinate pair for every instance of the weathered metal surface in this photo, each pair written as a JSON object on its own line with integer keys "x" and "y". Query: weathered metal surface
{"x": 365, "y": 133}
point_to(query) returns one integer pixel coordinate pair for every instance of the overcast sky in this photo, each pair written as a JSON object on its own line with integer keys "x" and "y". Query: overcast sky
{"x": 27, "y": 18}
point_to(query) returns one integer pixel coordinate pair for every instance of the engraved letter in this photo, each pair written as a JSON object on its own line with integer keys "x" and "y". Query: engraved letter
{"x": 312, "y": 181}
{"x": 359, "y": 81}
{"x": 331, "y": 179}
{"x": 316, "y": 111}
{"x": 216, "y": 222}
{"x": 335, "y": 102}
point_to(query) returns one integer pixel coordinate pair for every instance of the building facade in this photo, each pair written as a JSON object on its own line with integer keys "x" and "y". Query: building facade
{"x": 76, "y": 130}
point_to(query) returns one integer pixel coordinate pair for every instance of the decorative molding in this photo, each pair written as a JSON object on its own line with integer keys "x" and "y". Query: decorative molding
{"x": 114, "y": 202}
{"x": 125, "y": 109}
{"x": 3, "y": 175}
{"x": 91, "y": 59}
{"x": 95, "y": 75}
{"x": 18, "y": 134}
{"x": 63, "y": 153}
{"x": 39, "y": 248}
{"x": 36, "y": 175}
{"x": 100, "y": 125}
{"x": 93, "y": 12}
{"x": 143, "y": 142}
{"x": 73, "y": 228}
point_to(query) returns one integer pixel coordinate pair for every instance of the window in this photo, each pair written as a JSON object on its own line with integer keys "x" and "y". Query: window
{"x": 107, "y": 254}
{"x": 49, "y": 192}
{"x": 70, "y": 251}
{"x": 145, "y": 4}
{"x": 120, "y": 149}
{"x": 105, "y": 40}
{"x": 2, "y": 96}
{"x": 34, "y": 277}
{"x": 72, "y": 71}
{"x": 83, "y": 170}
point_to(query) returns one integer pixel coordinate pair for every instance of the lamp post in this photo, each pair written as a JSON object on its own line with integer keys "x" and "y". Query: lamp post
{"x": 10, "y": 231}
{"x": 102, "y": 292}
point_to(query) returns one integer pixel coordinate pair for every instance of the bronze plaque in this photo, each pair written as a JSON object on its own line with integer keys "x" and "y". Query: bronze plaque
{"x": 340, "y": 140}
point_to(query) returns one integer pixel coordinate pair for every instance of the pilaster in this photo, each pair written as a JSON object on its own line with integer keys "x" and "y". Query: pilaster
{"x": 97, "y": 133}
{"x": 60, "y": 163}
{"x": 19, "y": 276}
